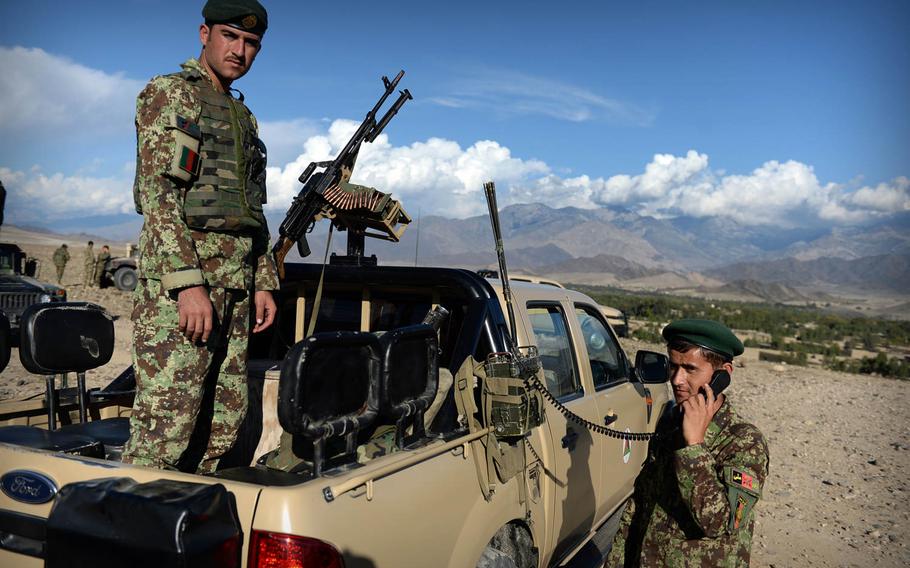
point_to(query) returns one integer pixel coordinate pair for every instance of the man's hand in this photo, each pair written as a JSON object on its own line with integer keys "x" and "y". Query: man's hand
{"x": 697, "y": 415}
{"x": 265, "y": 310}
{"x": 195, "y": 310}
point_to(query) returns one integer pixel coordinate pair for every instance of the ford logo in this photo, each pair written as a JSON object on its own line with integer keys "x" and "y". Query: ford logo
{"x": 28, "y": 486}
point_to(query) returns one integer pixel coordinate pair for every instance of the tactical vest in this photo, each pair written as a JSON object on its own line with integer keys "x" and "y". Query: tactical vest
{"x": 229, "y": 191}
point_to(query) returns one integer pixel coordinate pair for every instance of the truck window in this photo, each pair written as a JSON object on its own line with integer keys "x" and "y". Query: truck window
{"x": 556, "y": 356}
{"x": 607, "y": 365}
{"x": 389, "y": 311}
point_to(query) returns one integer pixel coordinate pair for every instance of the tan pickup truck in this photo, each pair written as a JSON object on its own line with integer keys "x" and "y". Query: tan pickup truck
{"x": 374, "y": 445}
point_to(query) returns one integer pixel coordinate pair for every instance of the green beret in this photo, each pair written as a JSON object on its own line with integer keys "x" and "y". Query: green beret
{"x": 247, "y": 15}
{"x": 711, "y": 335}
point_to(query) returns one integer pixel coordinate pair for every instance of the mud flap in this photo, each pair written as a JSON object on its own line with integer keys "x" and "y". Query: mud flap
{"x": 119, "y": 522}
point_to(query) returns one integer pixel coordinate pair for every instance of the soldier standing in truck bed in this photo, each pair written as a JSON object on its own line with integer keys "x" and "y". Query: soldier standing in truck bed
{"x": 204, "y": 247}
{"x": 694, "y": 499}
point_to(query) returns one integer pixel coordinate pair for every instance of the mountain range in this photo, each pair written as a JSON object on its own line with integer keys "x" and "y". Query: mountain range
{"x": 616, "y": 247}
{"x": 620, "y": 246}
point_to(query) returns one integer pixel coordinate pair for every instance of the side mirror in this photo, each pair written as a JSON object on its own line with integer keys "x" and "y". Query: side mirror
{"x": 651, "y": 367}
{"x": 31, "y": 267}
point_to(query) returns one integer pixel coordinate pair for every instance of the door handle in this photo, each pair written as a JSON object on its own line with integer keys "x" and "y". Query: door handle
{"x": 569, "y": 439}
{"x": 610, "y": 419}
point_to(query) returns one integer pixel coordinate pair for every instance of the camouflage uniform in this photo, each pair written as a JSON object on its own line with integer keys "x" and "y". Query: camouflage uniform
{"x": 61, "y": 257}
{"x": 88, "y": 265}
{"x": 102, "y": 259}
{"x": 172, "y": 373}
{"x": 693, "y": 505}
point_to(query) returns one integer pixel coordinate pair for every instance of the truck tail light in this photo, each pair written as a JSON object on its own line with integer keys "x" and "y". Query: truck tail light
{"x": 278, "y": 550}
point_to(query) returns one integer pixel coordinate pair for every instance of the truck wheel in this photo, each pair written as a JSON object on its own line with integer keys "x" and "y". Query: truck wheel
{"x": 492, "y": 558}
{"x": 511, "y": 547}
{"x": 126, "y": 279}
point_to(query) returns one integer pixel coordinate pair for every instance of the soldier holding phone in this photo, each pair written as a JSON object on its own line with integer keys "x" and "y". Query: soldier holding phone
{"x": 694, "y": 499}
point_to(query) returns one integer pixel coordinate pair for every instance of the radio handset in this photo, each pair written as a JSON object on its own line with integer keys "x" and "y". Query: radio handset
{"x": 720, "y": 380}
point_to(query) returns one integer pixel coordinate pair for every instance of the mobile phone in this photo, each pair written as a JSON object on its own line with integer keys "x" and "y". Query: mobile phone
{"x": 720, "y": 380}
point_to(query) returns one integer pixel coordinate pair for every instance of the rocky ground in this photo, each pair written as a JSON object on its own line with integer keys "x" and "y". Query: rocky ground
{"x": 840, "y": 447}
{"x": 15, "y": 382}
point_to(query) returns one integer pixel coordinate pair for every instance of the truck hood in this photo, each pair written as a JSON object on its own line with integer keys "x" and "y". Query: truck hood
{"x": 14, "y": 282}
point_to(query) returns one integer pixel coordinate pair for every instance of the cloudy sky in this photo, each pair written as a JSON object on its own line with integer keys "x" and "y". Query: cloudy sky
{"x": 779, "y": 113}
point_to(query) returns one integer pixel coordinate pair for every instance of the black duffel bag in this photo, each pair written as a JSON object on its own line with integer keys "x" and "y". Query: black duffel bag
{"x": 164, "y": 523}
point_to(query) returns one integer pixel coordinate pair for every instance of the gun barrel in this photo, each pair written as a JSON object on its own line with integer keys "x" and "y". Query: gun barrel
{"x": 404, "y": 97}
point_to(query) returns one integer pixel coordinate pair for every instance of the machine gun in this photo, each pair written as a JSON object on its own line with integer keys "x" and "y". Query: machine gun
{"x": 327, "y": 194}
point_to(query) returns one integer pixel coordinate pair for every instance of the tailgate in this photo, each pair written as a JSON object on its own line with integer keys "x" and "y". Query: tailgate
{"x": 20, "y": 519}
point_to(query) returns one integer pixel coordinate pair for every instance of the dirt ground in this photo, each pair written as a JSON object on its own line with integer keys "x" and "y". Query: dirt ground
{"x": 840, "y": 446}
{"x": 15, "y": 381}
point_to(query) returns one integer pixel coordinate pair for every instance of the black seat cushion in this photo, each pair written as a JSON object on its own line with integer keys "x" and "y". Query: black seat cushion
{"x": 110, "y": 431}
{"x": 65, "y": 337}
{"x": 56, "y": 441}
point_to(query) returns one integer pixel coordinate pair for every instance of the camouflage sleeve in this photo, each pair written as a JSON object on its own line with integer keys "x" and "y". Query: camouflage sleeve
{"x": 617, "y": 555}
{"x": 721, "y": 502}
{"x": 266, "y": 277}
{"x": 170, "y": 253}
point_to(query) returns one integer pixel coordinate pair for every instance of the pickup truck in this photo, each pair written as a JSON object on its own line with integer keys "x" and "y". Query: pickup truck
{"x": 343, "y": 461}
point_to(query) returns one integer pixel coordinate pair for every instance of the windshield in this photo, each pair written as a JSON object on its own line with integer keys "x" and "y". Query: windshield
{"x": 7, "y": 262}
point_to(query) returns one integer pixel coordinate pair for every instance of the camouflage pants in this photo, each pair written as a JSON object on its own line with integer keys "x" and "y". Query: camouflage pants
{"x": 88, "y": 278}
{"x": 60, "y": 274}
{"x": 180, "y": 384}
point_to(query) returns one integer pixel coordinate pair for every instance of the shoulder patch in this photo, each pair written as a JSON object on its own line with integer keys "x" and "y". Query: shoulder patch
{"x": 741, "y": 478}
{"x": 186, "y": 125}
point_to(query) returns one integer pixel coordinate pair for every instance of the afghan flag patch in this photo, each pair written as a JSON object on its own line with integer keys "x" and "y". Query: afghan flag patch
{"x": 189, "y": 160}
{"x": 741, "y": 478}
{"x": 740, "y": 509}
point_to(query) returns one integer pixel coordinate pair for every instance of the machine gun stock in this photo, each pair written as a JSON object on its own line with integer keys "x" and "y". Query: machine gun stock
{"x": 311, "y": 201}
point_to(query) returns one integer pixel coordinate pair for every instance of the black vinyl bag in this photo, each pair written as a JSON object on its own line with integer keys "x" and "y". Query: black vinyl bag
{"x": 116, "y": 522}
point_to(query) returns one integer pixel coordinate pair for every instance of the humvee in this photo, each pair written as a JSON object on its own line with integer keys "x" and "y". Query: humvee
{"x": 367, "y": 443}
{"x": 122, "y": 271}
{"x": 18, "y": 287}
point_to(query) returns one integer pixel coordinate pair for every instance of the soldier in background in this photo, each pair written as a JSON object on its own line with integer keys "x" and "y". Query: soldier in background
{"x": 88, "y": 265}
{"x": 694, "y": 499}
{"x": 100, "y": 262}
{"x": 205, "y": 257}
{"x": 61, "y": 257}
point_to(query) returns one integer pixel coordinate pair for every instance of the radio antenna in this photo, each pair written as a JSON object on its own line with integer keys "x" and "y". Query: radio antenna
{"x": 489, "y": 189}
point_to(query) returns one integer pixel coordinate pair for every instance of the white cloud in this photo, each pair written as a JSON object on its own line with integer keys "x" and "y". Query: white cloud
{"x": 284, "y": 139}
{"x": 513, "y": 93}
{"x": 439, "y": 176}
{"x": 44, "y": 92}
{"x": 435, "y": 176}
{"x": 884, "y": 197}
{"x": 34, "y": 197}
